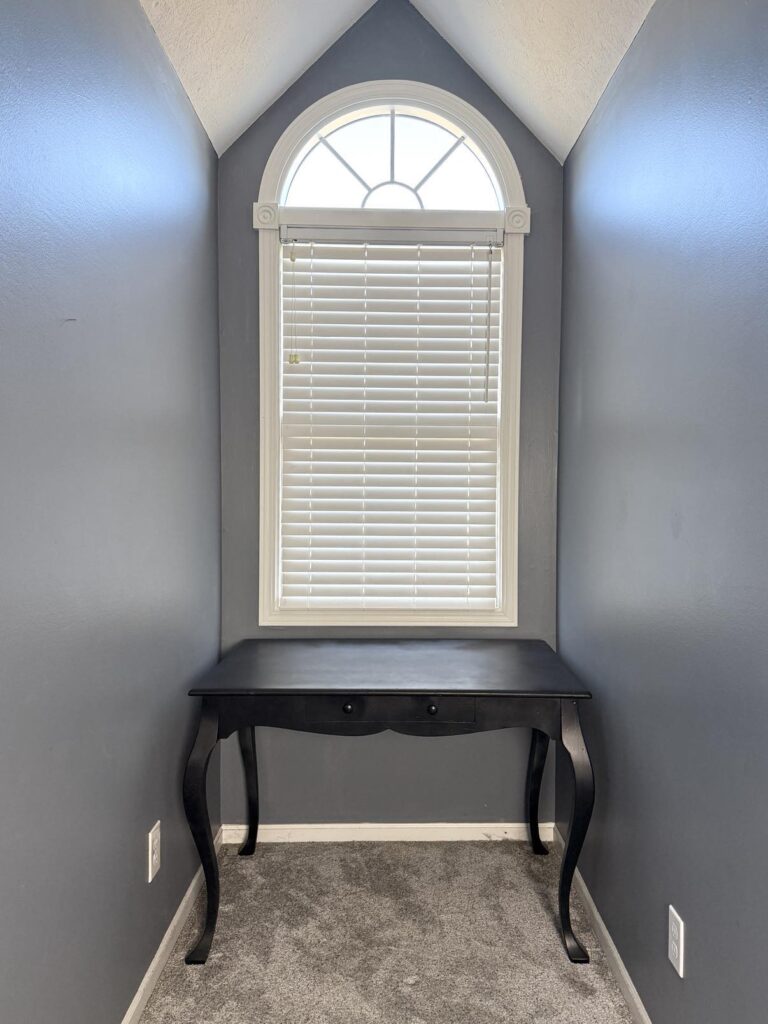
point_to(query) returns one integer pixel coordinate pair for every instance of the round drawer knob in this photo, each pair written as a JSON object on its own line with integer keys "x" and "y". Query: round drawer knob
{"x": 432, "y": 709}
{"x": 347, "y": 708}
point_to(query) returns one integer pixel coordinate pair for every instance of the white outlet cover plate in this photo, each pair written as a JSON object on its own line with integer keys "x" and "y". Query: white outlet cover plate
{"x": 153, "y": 851}
{"x": 676, "y": 943}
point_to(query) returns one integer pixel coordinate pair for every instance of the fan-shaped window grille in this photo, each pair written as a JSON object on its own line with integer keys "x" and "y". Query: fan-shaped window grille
{"x": 392, "y": 159}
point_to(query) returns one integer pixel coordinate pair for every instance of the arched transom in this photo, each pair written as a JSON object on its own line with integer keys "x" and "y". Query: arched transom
{"x": 395, "y": 158}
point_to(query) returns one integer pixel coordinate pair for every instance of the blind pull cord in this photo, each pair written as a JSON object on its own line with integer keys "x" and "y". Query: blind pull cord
{"x": 488, "y": 325}
{"x": 293, "y": 355}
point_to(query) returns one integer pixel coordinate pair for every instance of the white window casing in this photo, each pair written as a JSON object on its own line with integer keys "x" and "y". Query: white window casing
{"x": 389, "y": 395}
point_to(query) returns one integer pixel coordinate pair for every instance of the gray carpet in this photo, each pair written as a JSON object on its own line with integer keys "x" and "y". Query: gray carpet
{"x": 388, "y": 933}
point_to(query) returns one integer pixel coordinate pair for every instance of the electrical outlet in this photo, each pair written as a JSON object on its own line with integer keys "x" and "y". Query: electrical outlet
{"x": 676, "y": 942}
{"x": 153, "y": 851}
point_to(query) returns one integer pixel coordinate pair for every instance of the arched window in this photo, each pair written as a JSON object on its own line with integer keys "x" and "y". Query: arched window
{"x": 391, "y": 219}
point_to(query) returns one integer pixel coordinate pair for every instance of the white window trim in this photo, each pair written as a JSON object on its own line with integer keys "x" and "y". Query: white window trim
{"x": 511, "y": 225}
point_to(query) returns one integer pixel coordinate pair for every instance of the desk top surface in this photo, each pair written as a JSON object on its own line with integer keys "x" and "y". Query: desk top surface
{"x": 481, "y": 667}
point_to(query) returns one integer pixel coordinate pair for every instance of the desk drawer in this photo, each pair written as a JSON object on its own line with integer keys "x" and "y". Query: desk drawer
{"x": 383, "y": 708}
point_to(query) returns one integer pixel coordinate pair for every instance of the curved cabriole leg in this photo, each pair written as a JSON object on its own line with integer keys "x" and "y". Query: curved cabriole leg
{"x": 196, "y": 808}
{"x": 247, "y": 741}
{"x": 536, "y": 761}
{"x": 583, "y": 801}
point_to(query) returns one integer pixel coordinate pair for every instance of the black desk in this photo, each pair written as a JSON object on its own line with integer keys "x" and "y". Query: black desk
{"x": 417, "y": 687}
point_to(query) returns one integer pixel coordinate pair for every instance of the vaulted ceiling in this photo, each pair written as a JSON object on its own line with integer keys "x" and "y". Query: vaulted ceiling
{"x": 549, "y": 60}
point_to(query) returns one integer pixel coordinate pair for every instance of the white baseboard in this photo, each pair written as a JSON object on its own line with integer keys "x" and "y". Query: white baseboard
{"x": 428, "y": 832}
{"x": 385, "y": 832}
{"x": 155, "y": 969}
{"x": 612, "y": 956}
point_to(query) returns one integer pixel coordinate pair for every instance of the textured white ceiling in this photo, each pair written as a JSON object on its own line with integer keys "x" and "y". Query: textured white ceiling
{"x": 235, "y": 57}
{"x": 549, "y": 60}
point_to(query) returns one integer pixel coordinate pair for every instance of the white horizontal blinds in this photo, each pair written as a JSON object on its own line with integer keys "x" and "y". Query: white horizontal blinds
{"x": 390, "y": 426}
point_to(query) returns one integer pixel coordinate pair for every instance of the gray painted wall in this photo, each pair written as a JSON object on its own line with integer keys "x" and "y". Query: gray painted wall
{"x": 109, "y": 508}
{"x": 385, "y": 778}
{"x": 663, "y": 567}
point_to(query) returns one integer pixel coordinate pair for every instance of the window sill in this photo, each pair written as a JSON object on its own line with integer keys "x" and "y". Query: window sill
{"x": 381, "y": 617}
